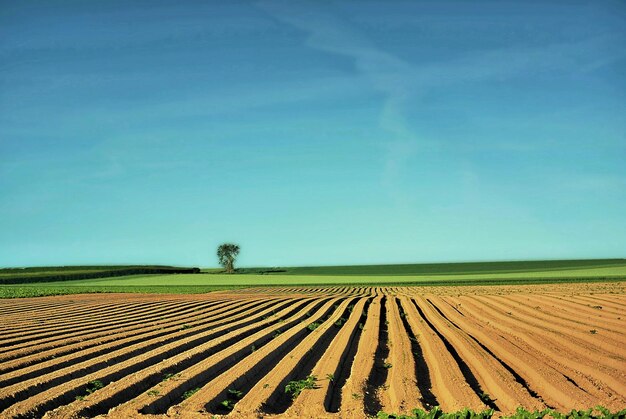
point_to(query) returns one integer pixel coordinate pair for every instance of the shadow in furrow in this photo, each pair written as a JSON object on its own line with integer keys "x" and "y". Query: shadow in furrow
{"x": 378, "y": 375}
{"x": 332, "y": 402}
{"x": 70, "y": 394}
{"x": 89, "y": 342}
{"x": 250, "y": 378}
{"x": 41, "y": 386}
{"x": 465, "y": 369}
{"x": 422, "y": 372}
{"x": 518, "y": 378}
{"x": 174, "y": 396}
{"x": 98, "y": 352}
{"x": 279, "y": 401}
{"x": 160, "y": 405}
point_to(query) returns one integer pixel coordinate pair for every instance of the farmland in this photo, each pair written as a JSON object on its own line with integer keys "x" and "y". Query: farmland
{"x": 448, "y": 274}
{"x": 314, "y": 351}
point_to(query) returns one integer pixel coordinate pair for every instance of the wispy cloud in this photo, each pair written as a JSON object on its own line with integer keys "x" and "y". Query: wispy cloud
{"x": 400, "y": 81}
{"x": 384, "y": 72}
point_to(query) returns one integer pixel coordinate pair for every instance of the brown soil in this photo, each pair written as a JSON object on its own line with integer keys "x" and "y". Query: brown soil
{"x": 390, "y": 348}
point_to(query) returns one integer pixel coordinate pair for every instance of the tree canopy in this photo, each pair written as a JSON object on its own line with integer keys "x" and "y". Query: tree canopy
{"x": 227, "y": 253}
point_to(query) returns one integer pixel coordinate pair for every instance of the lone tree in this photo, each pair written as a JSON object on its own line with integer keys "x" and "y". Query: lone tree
{"x": 227, "y": 253}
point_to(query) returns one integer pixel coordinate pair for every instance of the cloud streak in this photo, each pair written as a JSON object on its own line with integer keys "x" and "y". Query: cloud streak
{"x": 400, "y": 81}
{"x": 385, "y": 72}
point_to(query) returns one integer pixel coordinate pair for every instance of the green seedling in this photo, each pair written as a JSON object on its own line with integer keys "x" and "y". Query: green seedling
{"x": 94, "y": 385}
{"x": 187, "y": 394}
{"x": 227, "y": 404}
{"x": 235, "y": 394}
{"x": 313, "y": 326}
{"x": 296, "y": 387}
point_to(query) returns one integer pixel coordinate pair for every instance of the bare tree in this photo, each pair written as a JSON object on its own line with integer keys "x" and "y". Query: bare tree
{"x": 227, "y": 253}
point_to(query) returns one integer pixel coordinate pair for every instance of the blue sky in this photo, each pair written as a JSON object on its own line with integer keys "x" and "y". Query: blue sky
{"x": 322, "y": 132}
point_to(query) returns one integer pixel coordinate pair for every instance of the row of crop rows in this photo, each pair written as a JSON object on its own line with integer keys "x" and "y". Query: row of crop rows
{"x": 325, "y": 290}
{"x": 368, "y": 350}
{"x": 85, "y": 339}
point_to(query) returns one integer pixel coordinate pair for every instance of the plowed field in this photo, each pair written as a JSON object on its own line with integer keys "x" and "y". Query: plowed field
{"x": 369, "y": 349}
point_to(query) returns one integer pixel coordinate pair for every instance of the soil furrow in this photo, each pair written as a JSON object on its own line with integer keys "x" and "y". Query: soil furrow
{"x": 280, "y": 400}
{"x": 338, "y": 356}
{"x": 563, "y": 311}
{"x": 203, "y": 372}
{"x": 428, "y": 399}
{"x": 247, "y": 374}
{"x": 403, "y": 387}
{"x": 83, "y": 322}
{"x": 104, "y": 328}
{"x": 500, "y": 380}
{"x": 269, "y": 392}
{"x": 187, "y": 375}
{"x": 537, "y": 320}
{"x": 37, "y": 395}
{"x": 571, "y": 359}
{"x": 355, "y": 388}
{"x": 163, "y": 335}
{"x": 340, "y": 376}
{"x": 541, "y": 379}
{"x": 371, "y": 348}
{"x": 494, "y": 385}
{"x": 378, "y": 374}
{"x": 116, "y": 320}
{"x": 448, "y": 384}
{"x": 39, "y": 353}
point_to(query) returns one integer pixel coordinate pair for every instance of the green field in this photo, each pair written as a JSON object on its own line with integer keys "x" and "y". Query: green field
{"x": 483, "y": 273}
{"x": 444, "y": 268}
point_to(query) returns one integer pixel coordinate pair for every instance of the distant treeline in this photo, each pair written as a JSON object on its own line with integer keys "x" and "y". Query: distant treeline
{"x": 68, "y": 273}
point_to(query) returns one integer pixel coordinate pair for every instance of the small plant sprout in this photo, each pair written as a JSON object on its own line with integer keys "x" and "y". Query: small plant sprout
{"x": 486, "y": 398}
{"x": 295, "y": 387}
{"x": 153, "y": 393}
{"x": 169, "y": 376}
{"x": 94, "y": 385}
{"x": 313, "y": 326}
{"x": 340, "y": 322}
{"x": 187, "y": 394}
{"x": 235, "y": 394}
{"x": 331, "y": 377}
{"x": 227, "y": 404}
